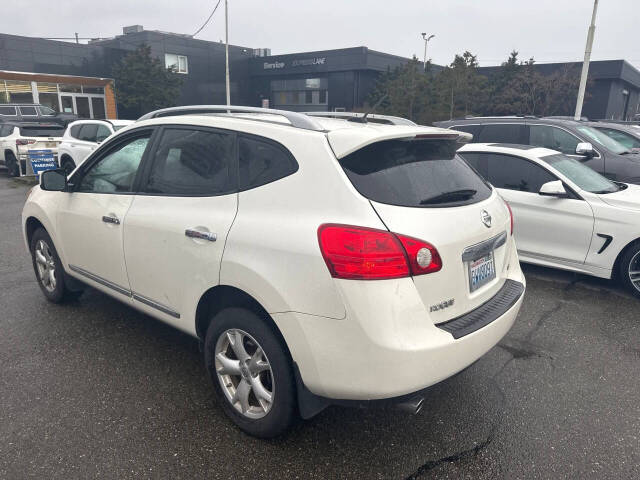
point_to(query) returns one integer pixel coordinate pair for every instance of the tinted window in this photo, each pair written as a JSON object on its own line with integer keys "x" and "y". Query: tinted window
{"x": 478, "y": 162}
{"x": 28, "y": 111}
{"x": 102, "y": 133}
{"x": 116, "y": 171}
{"x": 192, "y": 162}
{"x": 419, "y": 173}
{"x": 472, "y": 129}
{"x": 75, "y": 131}
{"x": 601, "y": 139}
{"x": 624, "y": 138}
{"x": 47, "y": 111}
{"x": 88, "y": 132}
{"x": 514, "y": 173}
{"x": 262, "y": 162}
{"x": 41, "y": 131}
{"x": 6, "y": 130}
{"x": 8, "y": 111}
{"x": 500, "y": 133}
{"x": 554, "y": 138}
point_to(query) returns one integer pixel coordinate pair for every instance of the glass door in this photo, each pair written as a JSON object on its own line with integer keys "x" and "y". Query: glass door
{"x": 67, "y": 104}
{"x": 83, "y": 110}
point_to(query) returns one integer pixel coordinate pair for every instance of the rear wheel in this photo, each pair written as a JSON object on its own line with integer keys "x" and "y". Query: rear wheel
{"x": 48, "y": 269}
{"x": 12, "y": 164}
{"x": 630, "y": 269}
{"x": 251, "y": 372}
{"x": 68, "y": 165}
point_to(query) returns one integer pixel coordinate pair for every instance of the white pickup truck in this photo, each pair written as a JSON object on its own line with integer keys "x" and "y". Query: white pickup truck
{"x": 17, "y": 140}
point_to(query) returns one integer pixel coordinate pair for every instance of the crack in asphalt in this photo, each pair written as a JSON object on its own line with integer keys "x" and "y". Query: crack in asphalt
{"x": 516, "y": 353}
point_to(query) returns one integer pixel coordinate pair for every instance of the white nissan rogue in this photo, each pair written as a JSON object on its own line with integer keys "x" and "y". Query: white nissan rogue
{"x": 319, "y": 261}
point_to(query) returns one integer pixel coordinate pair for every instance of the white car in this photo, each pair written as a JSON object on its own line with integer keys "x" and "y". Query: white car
{"x": 82, "y": 137}
{"x": 18, "y": 139}
{"x": 319, "y": 261}
{"x": 567, "y": 215}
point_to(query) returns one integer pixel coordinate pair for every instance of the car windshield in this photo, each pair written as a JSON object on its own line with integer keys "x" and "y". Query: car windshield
{"x": 602, "y": 139}
{"x": 414, "y": 173}
{"x": 585, "y": 178}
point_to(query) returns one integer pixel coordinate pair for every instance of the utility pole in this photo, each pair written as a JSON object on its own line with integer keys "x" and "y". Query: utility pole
{"x": 426, "y": 41}
{"x": 226, "y": 33}
{"x": 585, "y": 64}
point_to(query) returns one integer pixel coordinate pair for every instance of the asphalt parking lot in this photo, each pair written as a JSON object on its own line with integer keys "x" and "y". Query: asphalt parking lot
{"x": 94, "y": 389}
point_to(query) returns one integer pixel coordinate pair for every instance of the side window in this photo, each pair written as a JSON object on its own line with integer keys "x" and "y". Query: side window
{"x": 514, "y": 173}
{"x": 28, "y": 111}
{"x": 10, "y": 111}
{"x": 75, "y": 131}
{"x": 116, "y": 171}
{"x": 192, "y": 162}
{"x": 102, "y": 133}
{"x": 553, "y": 138}
{"x": 478, "y": 161}
{"x": 88, "y": 132}
{"x": 500, "y": 133}
{"x": 5, "y": 130}
{"x": 624, "y": 138}
{"x": 263, "y": 162}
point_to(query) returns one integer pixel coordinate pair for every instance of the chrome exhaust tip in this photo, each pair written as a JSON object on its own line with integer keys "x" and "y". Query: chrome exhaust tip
{"x": 413, "y": 405}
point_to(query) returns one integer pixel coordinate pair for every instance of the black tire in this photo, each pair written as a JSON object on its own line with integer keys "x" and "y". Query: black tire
{"x": 60, "y": 293}
{"x": 12, "y": 164}
{"x": 68, "y": 165}
{"x": 283, "y": 409}
{"x": 630, "y": 261}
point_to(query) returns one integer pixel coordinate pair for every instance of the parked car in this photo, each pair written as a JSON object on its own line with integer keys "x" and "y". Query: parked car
{"x": 318, "y": 261}
{"x": 82, "y": 137}
{"x": 17, "y": 139}
{"x": 566, "y": 215}
{"x": 33, "y": 112}
{"x": 625, "y": 134}
{"x": 592, "y": 147}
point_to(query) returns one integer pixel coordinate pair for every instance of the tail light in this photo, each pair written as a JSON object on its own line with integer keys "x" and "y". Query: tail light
{"x": 25, "y": 141}
{"x": 510, "y": 215}
{"x": 361, "y": 253}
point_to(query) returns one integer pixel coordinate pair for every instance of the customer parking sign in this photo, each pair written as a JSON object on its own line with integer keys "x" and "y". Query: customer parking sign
{"x": 42, "y": 160}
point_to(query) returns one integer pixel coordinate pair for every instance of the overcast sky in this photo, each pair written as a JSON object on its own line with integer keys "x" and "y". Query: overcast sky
{"x": 548, "y": 30}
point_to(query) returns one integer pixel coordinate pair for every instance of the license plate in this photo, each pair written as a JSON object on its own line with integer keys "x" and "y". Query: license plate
{"x": 481, "y": 271}
{"x": 51, "y": 144}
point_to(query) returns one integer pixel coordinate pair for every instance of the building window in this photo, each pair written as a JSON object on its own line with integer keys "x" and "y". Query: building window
{"x": 177, "y": 63}
{"x": 323, "y": 97}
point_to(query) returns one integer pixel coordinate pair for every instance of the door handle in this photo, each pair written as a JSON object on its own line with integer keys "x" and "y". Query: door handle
{"x": 192, "y": 233}
{"x": 111, "y": 219}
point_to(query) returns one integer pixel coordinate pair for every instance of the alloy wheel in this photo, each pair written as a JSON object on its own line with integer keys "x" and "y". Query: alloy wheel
{"x": 634, "y": 271}
{"x": 244, "y": 373}
{"x": 46, "y": 266}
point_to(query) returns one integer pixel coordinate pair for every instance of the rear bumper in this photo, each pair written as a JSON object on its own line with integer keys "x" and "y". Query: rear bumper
{"x": 390, "y": 348}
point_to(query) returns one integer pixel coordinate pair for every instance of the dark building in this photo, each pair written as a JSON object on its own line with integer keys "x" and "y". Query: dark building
{"x": 329, "y": 80}
{"x": 319, "y": 81}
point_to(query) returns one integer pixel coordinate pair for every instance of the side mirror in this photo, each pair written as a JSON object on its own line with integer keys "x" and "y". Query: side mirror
{"x": 553, "y": 189}
{"x": 53, "y": 180}
{"x": 585, "y": 149}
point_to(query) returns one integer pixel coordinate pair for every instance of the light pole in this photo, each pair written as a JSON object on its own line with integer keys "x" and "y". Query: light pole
{"x": 226, "y": 48}
{"x": 585, "y": 64}
{"x": 426, "y": 41}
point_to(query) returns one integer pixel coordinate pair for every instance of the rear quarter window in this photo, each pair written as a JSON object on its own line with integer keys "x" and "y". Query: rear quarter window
{"x": 417, "y": 173}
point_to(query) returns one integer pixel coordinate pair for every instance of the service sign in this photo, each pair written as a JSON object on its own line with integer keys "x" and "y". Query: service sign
{"x": 42, "y": 160}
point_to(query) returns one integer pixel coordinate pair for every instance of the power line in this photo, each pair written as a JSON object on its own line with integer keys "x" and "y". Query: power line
{"x": 207, "y": 21}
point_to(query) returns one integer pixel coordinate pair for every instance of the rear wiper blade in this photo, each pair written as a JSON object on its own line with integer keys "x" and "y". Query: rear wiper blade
{"x": 450, "y": 196}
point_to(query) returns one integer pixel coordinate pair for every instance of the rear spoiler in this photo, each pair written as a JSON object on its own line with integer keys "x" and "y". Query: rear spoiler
{"x": 345, "y": 141}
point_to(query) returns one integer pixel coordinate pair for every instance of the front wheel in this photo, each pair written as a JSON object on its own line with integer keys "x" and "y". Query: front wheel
{"x": 630, "y": 269}
{"x": 251, "y": 372}
{"x": 48, "y": 269}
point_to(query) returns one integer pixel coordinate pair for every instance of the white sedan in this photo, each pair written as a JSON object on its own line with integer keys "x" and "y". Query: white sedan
{"x": 82, "y": 137}
{"x": 567, "y": 216}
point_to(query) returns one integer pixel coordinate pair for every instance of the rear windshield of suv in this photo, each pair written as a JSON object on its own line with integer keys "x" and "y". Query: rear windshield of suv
{"x": 41, "y": 132}
{"x": 415, "y": 173}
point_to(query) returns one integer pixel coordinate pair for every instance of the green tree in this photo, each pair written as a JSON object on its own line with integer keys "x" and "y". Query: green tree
{"x": 143, "y": 84}
{"x": 460, "y": 88}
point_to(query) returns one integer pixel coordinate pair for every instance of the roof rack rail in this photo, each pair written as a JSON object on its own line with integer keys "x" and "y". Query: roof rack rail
{"x": 297, "y": 120}
{"x": 371, "y": 118}
{"x": 472, "y": 117}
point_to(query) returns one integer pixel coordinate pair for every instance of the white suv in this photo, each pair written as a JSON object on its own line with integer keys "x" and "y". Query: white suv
{"x": 82, "y": 137}
{"x": 18, "y": 140}
{"x": 319, "y": 261}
